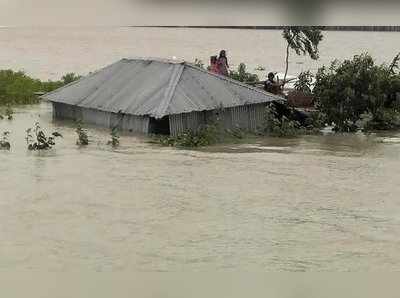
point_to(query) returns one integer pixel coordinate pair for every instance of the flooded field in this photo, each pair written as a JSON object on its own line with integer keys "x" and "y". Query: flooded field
{"x": 48, "y": 53}
{"x": 314, "y": 203}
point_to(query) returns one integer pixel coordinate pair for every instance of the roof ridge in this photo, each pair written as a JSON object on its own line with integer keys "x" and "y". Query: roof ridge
{"x": 170, "y": 90}
{"x": 156, "y": 59}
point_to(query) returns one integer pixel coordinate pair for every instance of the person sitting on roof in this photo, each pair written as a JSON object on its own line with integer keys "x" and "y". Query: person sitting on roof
{"x": 213, "y": 64}
{"x": 223, "y": 66}
{"x": 271, "y": 85}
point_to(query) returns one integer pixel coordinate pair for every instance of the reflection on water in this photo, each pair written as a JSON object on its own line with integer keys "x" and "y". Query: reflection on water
{"x": 310, "y": 203}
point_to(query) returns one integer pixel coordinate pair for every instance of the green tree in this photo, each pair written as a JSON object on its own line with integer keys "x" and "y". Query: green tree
{"x": 19, "y": 88}
{"x": 70, "y": 77}
{"x": 303, "y": 40}
{"x": 242, "y": 75}
{"x": 358, "y": 89}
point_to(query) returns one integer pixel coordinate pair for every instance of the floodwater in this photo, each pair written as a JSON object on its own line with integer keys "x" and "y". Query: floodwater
{"x": 326, "y": 202}
{"x": 48, "y": 53}
{"x": 312, "y": 203}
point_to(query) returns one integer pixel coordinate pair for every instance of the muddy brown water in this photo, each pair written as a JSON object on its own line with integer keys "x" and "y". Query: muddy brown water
{"x": 50, "y": 52}
{"x": 313, "y": 203}
{"x": 328, "y": 202}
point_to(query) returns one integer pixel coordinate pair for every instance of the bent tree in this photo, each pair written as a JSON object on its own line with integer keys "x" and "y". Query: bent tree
{"x": 303, "y": 40}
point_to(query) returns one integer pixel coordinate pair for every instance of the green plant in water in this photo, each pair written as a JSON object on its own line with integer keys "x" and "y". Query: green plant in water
{"x": 205, "y": 136}
{"x": 36, "y": 139}
{"x": 383, "y": 119}
{"x": 276, "y": 126}
{"x": 114, "y": 138}
{"x": 4, "y": 143}
{"x": 283, "y": 126}
{"x": 9, "y": 112}
{"x": 29, "y": 138}
{"x": 236, "y": 132}
{"x": 83, "y": 138}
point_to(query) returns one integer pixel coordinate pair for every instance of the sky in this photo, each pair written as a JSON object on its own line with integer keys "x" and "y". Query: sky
{"x": 193, "y": 12}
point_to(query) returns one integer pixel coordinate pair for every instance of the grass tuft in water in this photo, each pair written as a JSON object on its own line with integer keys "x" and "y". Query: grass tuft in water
{"x": 114, "y": 138}
{"x": 4, "y": 143}
{"x": 83, "y": 139}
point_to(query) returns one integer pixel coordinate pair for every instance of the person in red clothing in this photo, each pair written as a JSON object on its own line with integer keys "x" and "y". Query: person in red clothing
{"x": 214, "y": 64}
{"x": 222, "y": 62}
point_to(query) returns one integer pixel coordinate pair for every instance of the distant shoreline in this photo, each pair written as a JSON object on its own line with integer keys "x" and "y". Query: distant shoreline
{"x": 325, "y": 28}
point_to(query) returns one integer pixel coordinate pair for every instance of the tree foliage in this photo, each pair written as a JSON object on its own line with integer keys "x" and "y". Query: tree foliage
{"x": 242, "y": 75}
{"x": 304, "y": 82}
{"x": 304, "y": 40}
{"x": 19, "y": 88}
{"x": 347, "y": 90}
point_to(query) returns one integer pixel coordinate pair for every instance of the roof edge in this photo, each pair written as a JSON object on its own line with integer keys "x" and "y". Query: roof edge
{"x": 77, "y": 81}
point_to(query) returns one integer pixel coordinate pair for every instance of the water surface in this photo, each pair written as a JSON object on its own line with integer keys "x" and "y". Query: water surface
{"x": 315, "y": 203}
{"x": 48, "y": 53}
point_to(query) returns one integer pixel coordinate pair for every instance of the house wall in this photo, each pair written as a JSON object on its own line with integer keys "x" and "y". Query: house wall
{"x": 105, "y": 119}
{"x": 249, "y": 118}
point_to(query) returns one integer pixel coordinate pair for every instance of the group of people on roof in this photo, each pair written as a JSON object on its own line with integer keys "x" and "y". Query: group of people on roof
{"x": 219, "y": 64}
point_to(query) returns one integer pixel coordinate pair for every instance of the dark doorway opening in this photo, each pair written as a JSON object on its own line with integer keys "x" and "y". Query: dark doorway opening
{"x": 160, "y": 126}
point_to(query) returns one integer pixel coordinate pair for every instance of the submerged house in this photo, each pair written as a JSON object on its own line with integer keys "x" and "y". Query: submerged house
{"x": 159, "y": 96}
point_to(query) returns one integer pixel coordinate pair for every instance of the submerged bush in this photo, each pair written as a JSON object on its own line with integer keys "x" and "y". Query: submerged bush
{"x": 114, "y": 138}
{"x": 36, "y": 138}
{"x": 382, "y": 119}
{"x": 205, "y": 136}
{"x": 285, "y": 125}
{"x": 4, "y": 143}
{"x": 278, "y": 126}
{"x": 83, "y": 138}
{"x": 9, "y": 112}
{"x": 275, "y": 124}
{"x": 209, "y": 134}
{"x": 19, "y": 88}
{"x": 347, "y": 91}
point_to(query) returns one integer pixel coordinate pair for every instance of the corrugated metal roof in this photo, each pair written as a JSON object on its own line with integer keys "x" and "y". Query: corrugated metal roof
{"x": 157, "y": 88}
